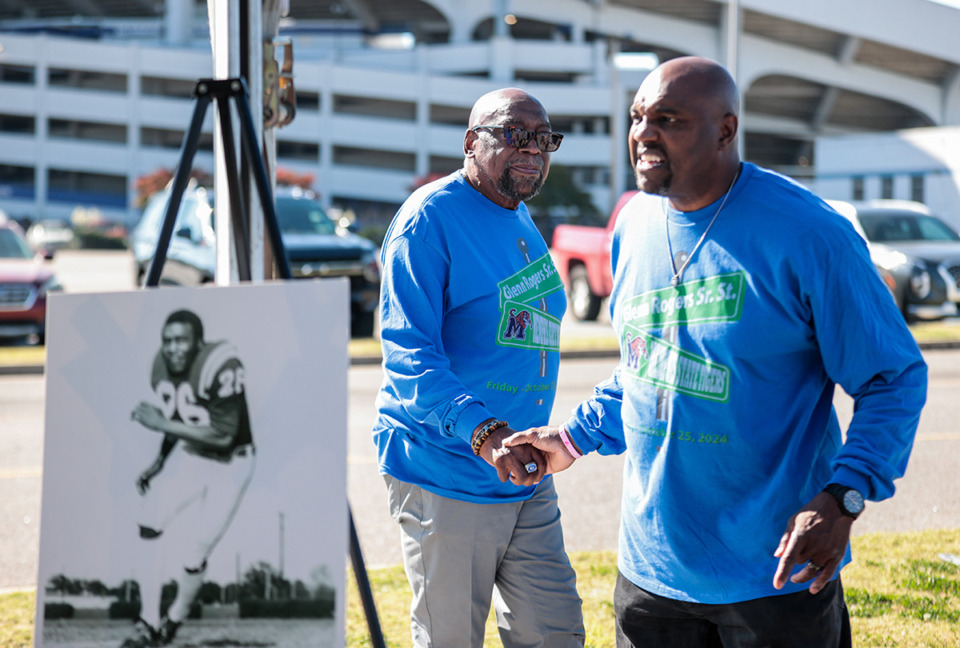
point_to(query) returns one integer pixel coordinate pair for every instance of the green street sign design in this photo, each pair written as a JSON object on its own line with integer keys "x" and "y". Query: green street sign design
{"x": 711, "y": 299}
{"x": 653, "y": 360}
{"x": 527, "y": 327}
{"x": 538, "y": 279}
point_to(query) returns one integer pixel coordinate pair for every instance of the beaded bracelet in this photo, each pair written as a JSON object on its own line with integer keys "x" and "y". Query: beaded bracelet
{"x": 568, "y": 443}
{"x": 484, "y": 433}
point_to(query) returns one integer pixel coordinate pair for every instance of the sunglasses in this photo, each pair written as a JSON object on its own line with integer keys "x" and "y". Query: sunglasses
{"x": 547, "y": 141}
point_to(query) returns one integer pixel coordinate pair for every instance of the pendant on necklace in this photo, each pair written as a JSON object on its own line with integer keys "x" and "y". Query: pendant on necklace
{"x": 679, "y": 261}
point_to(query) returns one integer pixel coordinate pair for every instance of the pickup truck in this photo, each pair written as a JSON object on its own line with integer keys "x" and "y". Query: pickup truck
{"x": 582, "y": 256}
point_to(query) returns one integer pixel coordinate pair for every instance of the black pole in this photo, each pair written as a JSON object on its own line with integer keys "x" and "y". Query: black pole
{"x": 188, "y": 149}
{"x": 238, "y": 211}
{"x": 363, "y": 586}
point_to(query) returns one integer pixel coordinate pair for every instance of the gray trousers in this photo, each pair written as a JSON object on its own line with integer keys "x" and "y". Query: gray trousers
{"x": 459, "y": 556}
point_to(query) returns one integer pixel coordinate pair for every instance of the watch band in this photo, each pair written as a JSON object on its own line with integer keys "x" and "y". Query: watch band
{"x": 850, "y": 500}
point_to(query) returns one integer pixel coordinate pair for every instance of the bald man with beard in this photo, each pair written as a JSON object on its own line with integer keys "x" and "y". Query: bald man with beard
{"x": 741, "y": 300}
{"x": 470, "y": 317}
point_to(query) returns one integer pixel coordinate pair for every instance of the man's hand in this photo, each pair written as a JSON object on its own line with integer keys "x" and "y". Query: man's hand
{"x": 547, "y": 440}
{"x": 149, "y": 416}
{"x": 143, "y": 481}
{"x": 513, "y": 463}
{"x": 817, "y": 535}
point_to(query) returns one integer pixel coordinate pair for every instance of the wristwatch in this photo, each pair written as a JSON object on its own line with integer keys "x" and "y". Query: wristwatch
{"x": 848, "y": 499}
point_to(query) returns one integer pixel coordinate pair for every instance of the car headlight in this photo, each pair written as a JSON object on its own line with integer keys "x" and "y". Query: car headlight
{"x": 920, "y": 281}
{"x": 889, "y": 259}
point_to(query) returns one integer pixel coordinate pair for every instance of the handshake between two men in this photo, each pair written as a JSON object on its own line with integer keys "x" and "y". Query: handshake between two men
{"x": 526, "y": 457}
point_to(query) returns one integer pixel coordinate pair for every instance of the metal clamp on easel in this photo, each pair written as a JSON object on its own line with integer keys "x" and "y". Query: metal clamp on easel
{"x": 279, "y": 97}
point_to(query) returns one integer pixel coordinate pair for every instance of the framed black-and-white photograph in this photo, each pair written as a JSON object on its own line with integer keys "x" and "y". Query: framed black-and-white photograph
{"x": 194, "y": 474}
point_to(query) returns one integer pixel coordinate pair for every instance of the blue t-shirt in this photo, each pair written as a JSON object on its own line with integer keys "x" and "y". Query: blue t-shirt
{"x": 723, "y": 396}
{"x": 470, "y": 328}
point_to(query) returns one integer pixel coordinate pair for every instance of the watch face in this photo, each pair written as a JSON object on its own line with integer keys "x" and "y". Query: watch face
{"x": 853, "y": 501}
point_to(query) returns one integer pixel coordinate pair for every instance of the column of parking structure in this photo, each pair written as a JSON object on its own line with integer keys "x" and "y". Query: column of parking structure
{"x": 222, "y": 91}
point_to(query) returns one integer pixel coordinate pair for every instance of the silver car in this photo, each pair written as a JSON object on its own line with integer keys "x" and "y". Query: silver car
{"x": 916, "y": 252}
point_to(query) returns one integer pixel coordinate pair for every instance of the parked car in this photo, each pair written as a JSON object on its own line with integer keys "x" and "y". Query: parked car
{"x": 191, "y": 254}
{"x": 48, "y": 235}
{"x": 916, "y": 252}
{"x": 581, "y": 254}
{"x": 315, "y": 245}
{"x": 25, "y": 281}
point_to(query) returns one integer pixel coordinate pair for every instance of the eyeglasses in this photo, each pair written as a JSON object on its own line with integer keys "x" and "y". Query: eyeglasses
{"x": 547, "y": 141}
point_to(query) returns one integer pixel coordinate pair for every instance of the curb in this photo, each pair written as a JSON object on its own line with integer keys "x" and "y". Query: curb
{"x": 940, "y": 344}
{"x": 21, "y": 370}
{"x": 367, "y": 360}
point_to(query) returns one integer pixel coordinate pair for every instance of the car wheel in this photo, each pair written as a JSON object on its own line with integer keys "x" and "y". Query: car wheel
{"x": 584, "y": 305}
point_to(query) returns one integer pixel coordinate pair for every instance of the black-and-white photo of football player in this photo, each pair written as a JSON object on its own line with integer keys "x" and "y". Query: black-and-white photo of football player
{"x": 192, "y": 490}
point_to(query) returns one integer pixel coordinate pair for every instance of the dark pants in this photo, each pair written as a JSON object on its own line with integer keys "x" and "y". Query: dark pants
{"x": 645, "y": 620}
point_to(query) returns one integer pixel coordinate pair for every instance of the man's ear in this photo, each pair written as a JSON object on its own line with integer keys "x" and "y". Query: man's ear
{"x": 469, "y": 139}
{"x": 729, "y": 126}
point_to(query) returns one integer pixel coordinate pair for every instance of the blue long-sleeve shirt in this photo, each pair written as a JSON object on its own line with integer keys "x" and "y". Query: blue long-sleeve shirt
{"x": 722, "y": 400}
{"x": 470, "y": 327}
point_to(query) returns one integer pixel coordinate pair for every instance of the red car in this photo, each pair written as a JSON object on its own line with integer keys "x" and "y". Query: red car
{"x": 582, "y": 256}
{"x": 25, "y": 280}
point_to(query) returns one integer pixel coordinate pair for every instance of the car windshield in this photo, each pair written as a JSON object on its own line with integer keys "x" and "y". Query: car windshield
{"x": 13, "y": 246}
{"x": 303, "y": 216}
{"x": 884, "y": 227}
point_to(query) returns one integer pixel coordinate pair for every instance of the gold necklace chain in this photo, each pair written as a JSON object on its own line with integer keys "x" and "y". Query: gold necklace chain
{"x": 678, "y": 274}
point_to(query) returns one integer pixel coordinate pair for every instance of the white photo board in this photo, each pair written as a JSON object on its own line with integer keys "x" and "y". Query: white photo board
{"x": 264, "y": 531}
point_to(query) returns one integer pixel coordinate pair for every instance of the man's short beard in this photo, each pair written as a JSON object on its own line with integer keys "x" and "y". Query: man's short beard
{"x": 507, "y": 187}
{"x": 660, "y": 190}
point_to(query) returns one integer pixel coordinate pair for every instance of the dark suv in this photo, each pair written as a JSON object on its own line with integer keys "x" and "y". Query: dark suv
{"x": 315, "y": 245}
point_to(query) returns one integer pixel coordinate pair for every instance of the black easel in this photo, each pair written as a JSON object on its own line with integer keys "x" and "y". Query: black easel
{"x": 206, "y": 91}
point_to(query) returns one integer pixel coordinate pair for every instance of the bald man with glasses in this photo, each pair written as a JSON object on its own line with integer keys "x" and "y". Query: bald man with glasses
{"x": 470, "y": 326}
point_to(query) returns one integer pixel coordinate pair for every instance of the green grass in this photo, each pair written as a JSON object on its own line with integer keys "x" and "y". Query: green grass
{"x": 16, "y": 619}
{"x": 22, "y": 355}
{"x": 900, "y": 594}
{"x": 943, "y": 331}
